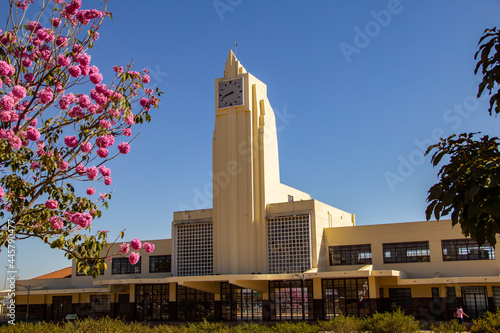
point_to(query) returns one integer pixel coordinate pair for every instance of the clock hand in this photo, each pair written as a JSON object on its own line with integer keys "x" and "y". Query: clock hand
{"x": 232, "y": 92}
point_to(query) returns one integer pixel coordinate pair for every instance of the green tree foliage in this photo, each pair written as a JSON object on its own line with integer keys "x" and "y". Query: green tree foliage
{"x": 469, "y": 184}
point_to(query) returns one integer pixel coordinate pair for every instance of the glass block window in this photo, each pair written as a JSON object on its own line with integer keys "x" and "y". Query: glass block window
{"x": 160, "y": 264}
{"x": 289, "y": 244}
{"x": 466, "y": 249}
{"x": 350, "y": 254}
{"x": 406, "y": 252}
{"x": 123, "y": 266}
{"x": 195, "y": 254}
{"x": 100, "y": 303}
{"x": 401, "y": 298}
{"x": 347, "y": 297}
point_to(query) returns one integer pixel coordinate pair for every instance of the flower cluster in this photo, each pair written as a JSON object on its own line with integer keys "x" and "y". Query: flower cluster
{"x": 50, "y": 136}
{"x": 136, "y": 245}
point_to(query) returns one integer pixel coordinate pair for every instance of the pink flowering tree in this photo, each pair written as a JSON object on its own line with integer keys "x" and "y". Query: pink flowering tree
{"x": 51, "y": 138}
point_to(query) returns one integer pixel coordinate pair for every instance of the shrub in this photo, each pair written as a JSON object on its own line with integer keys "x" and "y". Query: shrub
{"x": 206, "y": 327}
{"x": 391, "y": 322}
{"x": 449, "y": 327}
{"x": 249, "y": 328}
{"x": 299, "y": 327}
{"x": 342, "y": 324}
{"x": 489, "y": 323}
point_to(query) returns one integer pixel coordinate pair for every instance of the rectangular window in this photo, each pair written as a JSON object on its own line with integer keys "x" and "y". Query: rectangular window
{"x": 123, "y": 266}
{"x": 496, "y": 296}
{"x": 451, "y": 297}
{"x": 160, "y": 264}
{"x": 406, "y": 252}
{"x": 466, "y": 249}
{"x": 123, "y": 302}
{"x": 100, "y": 303}
{"x": 435, "y": 293}
{"x": 401, "y": 298}
{"x": 350, "y": 254}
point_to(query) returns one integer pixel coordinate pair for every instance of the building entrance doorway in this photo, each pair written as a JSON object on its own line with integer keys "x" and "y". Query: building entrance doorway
{"x": 475, "y": 301}
{"x": 61, "y": 306}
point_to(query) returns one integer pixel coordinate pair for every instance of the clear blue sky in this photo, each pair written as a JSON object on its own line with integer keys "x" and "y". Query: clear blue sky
{"x": 360, "y": 88}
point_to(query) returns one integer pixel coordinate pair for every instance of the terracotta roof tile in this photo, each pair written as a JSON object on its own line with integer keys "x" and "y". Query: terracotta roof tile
{"x": 62, "y": 273}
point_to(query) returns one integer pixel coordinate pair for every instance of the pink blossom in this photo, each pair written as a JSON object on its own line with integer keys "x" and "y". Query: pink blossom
{"x": 95, "y": 78}
{"x": 83, "y": 59}
{"x": 66, "y": 100}
{"x": 75, "y": 71}
{"x": 7, "y": 102}
{"x": 63, "y": 61}
{"x": 15, "y": 142}
{"x": 1, "y": 192}
{"x": 33, "y": 26}
{"x": 107, "y": 180}
{"x": 81, "y": 219}
{"x": 104, "y": 171}
{"x": 6, "y": 69}
{"x": 124, "y": 248}
{"x": 105, "y": 124}
{"x": 85, "y": 70}
{"x": 71, "y": 141}
{"x": 133, "y": 258}
{"x": 56, "y": 22}
{"x": 127, "y": 132}
{"x": 5, "y": 116}
{"x": 124, "y": 147}
{"x": 103, "y": 196}
{"x": 102, "y": 152}
{"x": 61, "y": 41}
{"x": 57, "y": 222}
{"x": 86, "y": 147}
{"x": 118, "y": 69}
{"x": 26, "y": 62}
{"x": 51, "y": 204}
{"x": 148, "y": 247}
{"x": 32, "y": 134}
{"x": 92, "y": 173}
{"x": 136, "y": 243}
{"x": 105, "y": 141}
{"x": 84, "y": 101}
{"x": 63, "y": 166}
{"x": 144, "y": 102}
{"x": 90, "y": 190}
{"x": 29, "y": 77}
{"x": 19, "y": 92}
{"x": 80, "y": 169}
{"x": 45, "y": 95}
{"x": 76, "y": 112}
{"x": 146, "y": 78}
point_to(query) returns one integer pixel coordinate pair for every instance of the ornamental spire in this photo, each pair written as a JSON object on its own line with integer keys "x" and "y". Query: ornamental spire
{"x": 233, "y": 66}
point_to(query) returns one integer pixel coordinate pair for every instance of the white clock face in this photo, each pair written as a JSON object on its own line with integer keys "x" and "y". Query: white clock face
{"x": 230, "y": 93}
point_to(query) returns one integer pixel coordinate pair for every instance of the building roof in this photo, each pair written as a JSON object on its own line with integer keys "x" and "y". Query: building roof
{"x": 62, "y": 273}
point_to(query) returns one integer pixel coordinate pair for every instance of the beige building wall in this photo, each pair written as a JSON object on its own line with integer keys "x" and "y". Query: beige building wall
{"x": 432, "y": 231}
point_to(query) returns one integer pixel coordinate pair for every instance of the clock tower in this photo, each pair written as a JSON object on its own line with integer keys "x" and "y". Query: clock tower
{"x": 245, "y": 171}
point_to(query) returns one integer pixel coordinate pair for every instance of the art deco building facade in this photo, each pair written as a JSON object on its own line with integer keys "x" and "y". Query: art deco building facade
{"x": 266, "y": 251}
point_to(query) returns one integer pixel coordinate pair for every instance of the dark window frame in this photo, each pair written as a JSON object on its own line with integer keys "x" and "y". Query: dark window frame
{"x": 123, "y": 266}
{"x": 401, "y": 298}
{"x": 405, "y": 252}
{"x": 156, "y": 265}
{"x": 100, "y": 303}
{"x": 350, "y": 254}
{"x": 466, "y": 249}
